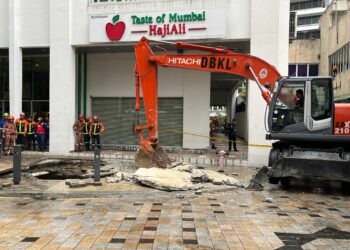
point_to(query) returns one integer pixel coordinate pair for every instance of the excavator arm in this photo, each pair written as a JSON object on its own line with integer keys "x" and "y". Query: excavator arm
{"x": 216, "y": 59}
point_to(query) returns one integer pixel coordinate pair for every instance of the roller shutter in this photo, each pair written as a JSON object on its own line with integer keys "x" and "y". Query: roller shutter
{"x": 118, "y": 115}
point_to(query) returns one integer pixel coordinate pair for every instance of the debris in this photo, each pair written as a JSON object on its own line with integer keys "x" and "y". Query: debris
{"x": 164, "y": 179}
{"x": 39, "y": 173}
{"x": 180, "y": 196}
{"x": 115, "y": 178}
{"x": 219, "y": 179}
{"x": 183, "y": 167}
{"x": 258, "y": 180}
{"x": 199, "y": 176}
{"x": 6, "y": 184}
{"x": 174, "y": 164}
{"x": 234, "y": 174}
{"x": 269, "y": 200}
{"x": 98, "y": 183}
{"x": 200, "y": 167}
{"x": 198, "y": 192}
{"x": 77, "y": 184}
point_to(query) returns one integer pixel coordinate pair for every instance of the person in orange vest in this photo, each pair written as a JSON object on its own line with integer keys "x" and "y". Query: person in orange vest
{"x": 21, "y": 125}
{"x": 30, "y": 138}
{"x": 10, "y": 131}
{"x": 78, "y": 130}
{"x": 86, "y": 131}
{"x": 96, "y": 129}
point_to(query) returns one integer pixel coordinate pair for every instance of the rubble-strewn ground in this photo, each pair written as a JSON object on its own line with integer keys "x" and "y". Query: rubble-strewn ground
{"x": 125, "y": 214}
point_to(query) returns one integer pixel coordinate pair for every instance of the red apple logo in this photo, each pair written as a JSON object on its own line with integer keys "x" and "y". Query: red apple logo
{"x": 115, "y": 30}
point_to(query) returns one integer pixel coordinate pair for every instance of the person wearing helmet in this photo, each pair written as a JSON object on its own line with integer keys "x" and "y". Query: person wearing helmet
{"x": 2, "y": 133}
{"x": 96, "y": 129}
{"x": 21, "y": 124}
{"x": 30, "y": 138}
{"x": 10, "y": 129}
{"x": 86, "y": 131}
{"x": 40, "y": 133}
{"x": 78, "y": 130}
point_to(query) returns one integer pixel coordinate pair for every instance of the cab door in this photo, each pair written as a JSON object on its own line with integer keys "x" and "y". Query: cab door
{"x": 319, "y": 104}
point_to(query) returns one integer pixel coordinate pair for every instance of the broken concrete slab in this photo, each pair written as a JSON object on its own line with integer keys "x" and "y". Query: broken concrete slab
{"x": 164, "y": 179}
{"x": 184, "y": 167}
{"x": 198, "y": 176}
{"x": 220, "y": 179}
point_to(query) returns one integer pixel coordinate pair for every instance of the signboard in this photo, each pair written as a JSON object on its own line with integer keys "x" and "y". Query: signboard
{"x": 169, "y": 25}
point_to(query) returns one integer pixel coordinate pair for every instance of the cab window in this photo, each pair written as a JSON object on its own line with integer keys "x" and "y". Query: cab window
{"x": 289, "y": 106}
{"x": 321, "y": 99}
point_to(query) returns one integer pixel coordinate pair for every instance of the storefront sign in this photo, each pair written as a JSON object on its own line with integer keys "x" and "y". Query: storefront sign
{"x": 173, "y": 25}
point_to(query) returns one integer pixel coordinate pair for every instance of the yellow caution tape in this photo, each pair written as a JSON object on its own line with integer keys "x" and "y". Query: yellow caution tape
{"x": 215, "y": 138}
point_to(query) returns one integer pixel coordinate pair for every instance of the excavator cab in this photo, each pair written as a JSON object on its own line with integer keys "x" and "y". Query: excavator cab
{"x": 301, "y": 107}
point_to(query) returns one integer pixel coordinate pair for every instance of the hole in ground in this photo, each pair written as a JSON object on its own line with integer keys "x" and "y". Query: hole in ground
{"x": 61, "y": 169}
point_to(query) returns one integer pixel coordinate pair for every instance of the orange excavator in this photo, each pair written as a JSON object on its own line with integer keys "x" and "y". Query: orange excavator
{"x": 311, "y": 132}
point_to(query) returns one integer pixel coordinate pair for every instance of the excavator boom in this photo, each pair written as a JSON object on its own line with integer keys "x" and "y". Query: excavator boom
{"x": 214, "y": 59}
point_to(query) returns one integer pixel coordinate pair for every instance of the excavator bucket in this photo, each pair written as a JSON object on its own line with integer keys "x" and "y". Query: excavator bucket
{"x": 152, "y": 156}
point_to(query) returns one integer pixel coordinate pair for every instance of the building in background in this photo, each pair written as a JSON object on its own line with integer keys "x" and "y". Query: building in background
{"x": 335, "y": 47}
{"x": 69, "y": 57}
{"x": 304, "y": 36}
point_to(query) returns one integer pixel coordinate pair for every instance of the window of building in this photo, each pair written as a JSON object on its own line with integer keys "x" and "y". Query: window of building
{"x": 306, "y": 20}
{"x": 340, "y": 59}
{"x": 302, "y": 70}
{"x": 4, "y": 81}
{"x": 292, "y": 24}
{"x": 313, "y": 34}
{"x": 35, "y": 92}
{"x": 307, "y": 5}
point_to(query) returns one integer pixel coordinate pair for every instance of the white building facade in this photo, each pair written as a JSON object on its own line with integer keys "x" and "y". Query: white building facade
{"x": 89, "y": 48}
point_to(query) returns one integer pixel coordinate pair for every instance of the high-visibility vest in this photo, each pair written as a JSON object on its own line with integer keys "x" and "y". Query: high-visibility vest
{"x": 95, "y": 128}
{"x": 30, "y": 128}
{"x": 86, "y": 128}
{"x": 21, "y": 125}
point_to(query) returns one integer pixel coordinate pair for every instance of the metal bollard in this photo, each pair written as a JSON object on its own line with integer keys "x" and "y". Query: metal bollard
{"x": 16, "y": 171}
{"x": 97, "y": 164}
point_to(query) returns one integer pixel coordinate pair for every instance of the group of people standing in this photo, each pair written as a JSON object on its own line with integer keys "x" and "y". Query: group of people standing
{"x": 87, "y": 130}
{"x": 230, "y": 129}
{"x": 22, "y": 131}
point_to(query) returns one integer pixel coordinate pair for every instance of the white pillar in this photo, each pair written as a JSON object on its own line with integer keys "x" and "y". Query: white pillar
{"x": 62, "y": 78}
{"x": 269, "y": 41}
{"x": 15, "y": 59}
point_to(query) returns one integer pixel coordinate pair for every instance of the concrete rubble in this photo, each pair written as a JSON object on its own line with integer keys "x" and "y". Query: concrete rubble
{"x": 182, "y": 177}
{"x": 164, "y": 179}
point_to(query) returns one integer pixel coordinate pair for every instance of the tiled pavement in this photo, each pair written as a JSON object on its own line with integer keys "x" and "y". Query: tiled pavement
{"x": 233, "y": 220}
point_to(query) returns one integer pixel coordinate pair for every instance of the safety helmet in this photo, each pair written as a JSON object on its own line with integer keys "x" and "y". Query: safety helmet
{"x": 22, "y": 114}
{"x": 40, "y": 119}
{"x": 87, "y": 117}
{"x": 5, "y": 115}
{"x": 95, "y": 117}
